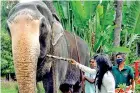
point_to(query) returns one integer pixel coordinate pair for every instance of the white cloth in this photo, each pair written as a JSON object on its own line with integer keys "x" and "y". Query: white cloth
{"x": 108, "y": 82}
{"x": 89, "y": 87}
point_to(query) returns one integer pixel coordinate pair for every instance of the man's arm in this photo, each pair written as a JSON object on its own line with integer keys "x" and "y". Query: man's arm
{"x": 133, "y": 84}
{"x": 90, "y": 79}
{"x": 132, "y": 81}
{"x": 82, "y": 67}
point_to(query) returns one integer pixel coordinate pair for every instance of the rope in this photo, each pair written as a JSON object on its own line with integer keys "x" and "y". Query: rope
{"x": 81, "y": 74}
{"x": 54, "y": 65}
{"x": 77, "y": 48}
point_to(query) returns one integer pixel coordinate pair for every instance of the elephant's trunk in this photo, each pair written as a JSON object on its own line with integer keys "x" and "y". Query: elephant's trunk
{"x": 26, "y": 50}
{"x": 25, "y": 60}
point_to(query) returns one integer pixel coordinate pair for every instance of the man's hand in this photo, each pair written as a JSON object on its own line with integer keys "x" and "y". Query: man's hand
{"x": 83, "y": 78}
{"x": 128, "y": 88}
{"x": 90, "y": 80}
{"x": 73, "y": 61}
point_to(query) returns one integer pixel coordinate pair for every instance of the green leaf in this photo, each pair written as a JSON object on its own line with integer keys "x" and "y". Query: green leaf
{"x": 98, "y": 44}
{"x": 137, "y": 25}
{"x": 121, "y": 49}
{"x": 132, "y": 39}
{"x": 100, "y": 10}
{"x": 82, "y": 11}
{"x": 133, "y": 17}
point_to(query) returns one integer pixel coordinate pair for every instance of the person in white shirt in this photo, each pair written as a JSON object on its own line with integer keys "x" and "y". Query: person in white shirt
{"x": 104, "y": 81}
{"x": 90, "y": 78}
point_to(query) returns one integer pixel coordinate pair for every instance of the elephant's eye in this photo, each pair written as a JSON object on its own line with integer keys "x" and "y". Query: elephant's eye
{"x": 42, "y": 27}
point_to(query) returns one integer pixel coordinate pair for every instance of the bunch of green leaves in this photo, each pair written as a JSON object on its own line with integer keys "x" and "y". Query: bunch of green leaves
{"x": 130, "y": 29}
{"x": 122, "y": 86}
{"x": 6, "y": 54}
{"x": 133, "y": 17}
{"x": 137, "y": 87}
{"x": 6, "y": 50}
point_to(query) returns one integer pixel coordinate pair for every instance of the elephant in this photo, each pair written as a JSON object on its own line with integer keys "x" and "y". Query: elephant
{"x": 36, "y": 31}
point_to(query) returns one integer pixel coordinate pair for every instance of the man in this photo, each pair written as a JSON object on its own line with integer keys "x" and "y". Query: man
{"x": 123, "y": 74}
{"x": 66, "y": 88}
{"x": 90, "y": 78}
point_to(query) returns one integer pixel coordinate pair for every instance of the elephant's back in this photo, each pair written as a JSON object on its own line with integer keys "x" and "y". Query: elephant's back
{"x": 77, "y": 48}
{"x": 78, "y": 51}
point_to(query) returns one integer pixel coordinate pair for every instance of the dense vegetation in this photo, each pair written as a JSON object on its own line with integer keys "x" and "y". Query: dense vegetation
{"x": 93, "y": 21}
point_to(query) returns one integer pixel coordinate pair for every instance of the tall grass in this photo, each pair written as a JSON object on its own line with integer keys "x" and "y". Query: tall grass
{"x": 9, "y": 87}
{"x": 12, "y": 87}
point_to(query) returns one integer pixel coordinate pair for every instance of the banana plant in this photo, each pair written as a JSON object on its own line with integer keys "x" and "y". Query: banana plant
{"x": 131, "y": 22}
{"x": 93, "y": 21}
{"x": 133, "y": 18}
{"x": 104, "y": 27}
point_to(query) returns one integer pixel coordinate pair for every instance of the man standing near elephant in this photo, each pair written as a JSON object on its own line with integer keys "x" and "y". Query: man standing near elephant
{"x": 90, "y": 78}
{"x": 123, "y": 74}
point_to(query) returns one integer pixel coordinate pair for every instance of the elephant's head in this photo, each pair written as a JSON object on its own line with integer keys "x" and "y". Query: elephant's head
{"x": 30, "y": 27}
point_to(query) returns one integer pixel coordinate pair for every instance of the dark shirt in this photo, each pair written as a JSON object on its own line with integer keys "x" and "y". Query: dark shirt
{"x": 124, "y": 76}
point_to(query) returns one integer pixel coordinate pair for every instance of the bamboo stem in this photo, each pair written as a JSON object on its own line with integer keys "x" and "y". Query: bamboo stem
{"x": 59, "y": 58}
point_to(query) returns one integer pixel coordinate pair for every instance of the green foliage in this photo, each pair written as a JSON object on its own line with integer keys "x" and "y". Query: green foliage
{"x": 6, "y": 50}
{"x": 5, "y": 9}
{"x": 132, "y": 55}
{"x": 6, "y": 54}
{"x": 132, "y": 38}
{"x": 121, "y": 49}
{"x": 137, "y": 87}
{"x": 133, "y": 18}
{"x": 63, "y": 9}
{"x": 122, "y": 86}
{"x": 12, "y": 87}
{"x": 86, "y": 18}
{"x": 103, "y": 27}
{"x": 82, "y": 12}
{"x": 9, "y": 87}
{"x": 131, "y": 25}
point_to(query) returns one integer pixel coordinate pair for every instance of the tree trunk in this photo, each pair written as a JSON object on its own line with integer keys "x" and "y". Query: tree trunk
{"x": 118, "y": 22}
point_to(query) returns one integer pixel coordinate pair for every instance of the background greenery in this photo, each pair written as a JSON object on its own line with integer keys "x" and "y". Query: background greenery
{"x": 92, "y": 21}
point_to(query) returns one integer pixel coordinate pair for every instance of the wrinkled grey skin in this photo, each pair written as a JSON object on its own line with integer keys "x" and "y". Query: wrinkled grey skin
{"x": 52, "y": 72}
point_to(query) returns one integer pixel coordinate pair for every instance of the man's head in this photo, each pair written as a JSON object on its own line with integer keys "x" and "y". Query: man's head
{"x": 92, "y": 63}
{"x": 120, "y": 58}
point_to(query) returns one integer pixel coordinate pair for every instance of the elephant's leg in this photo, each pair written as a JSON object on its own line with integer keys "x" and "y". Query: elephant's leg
{"x": 48, "y": 83}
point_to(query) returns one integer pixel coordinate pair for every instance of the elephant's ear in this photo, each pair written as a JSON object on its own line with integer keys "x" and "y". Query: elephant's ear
{"x": 56, "y": 17}
{"x": 57, "y": 31}
{"x": 7, "y": 28}
{"x": 50, "y": 5}
{"x": 44, "y": 38}
{"x": 45, "y": 11}
{"x": 11, "y": 14}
